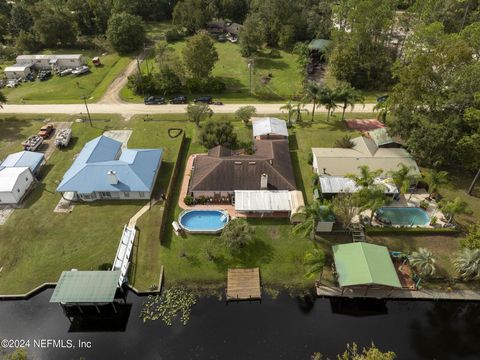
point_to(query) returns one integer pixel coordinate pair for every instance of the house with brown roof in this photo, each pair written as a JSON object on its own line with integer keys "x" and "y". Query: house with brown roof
{"x": 219, "y": 173}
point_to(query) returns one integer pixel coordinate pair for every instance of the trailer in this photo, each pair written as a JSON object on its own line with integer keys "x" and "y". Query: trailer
{"x": 63, "y": 137}
{"x": 32, "y": 143}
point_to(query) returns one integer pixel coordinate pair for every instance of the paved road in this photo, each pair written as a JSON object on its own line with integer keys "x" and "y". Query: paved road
{"x": 127, "y": 110}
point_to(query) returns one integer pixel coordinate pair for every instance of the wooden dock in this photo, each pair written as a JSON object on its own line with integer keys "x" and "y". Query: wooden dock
{"x": 243, "y": 284}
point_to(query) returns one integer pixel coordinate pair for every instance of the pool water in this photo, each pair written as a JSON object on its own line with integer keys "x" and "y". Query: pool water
{"x": 404, "y": 216}
{"x": 203, "y": 221}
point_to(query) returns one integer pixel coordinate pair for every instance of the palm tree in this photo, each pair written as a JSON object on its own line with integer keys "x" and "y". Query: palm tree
{"x": 366, "y": 177}
{"x": 423, "y": 261}
{"x": 383, "y": 110}
{"x": 298, "y": 108}
{"x": 402, "y": 178}
{"x": 312, "y": 94}
{"x": 314, "y": 260}
{"x": 467, "y": 263}
{"x": 3, "y": 100}
{"x": 434, "y": 179}
{"x": 312, "y": 213}
{"x": 290, "y": 110}
{"x": 347, "y": 95}
{"x": 372, "y": 198}
{"x": 453, "y": 208}
{"x": 327, "y": 99}
{"x": 345, "y": 142}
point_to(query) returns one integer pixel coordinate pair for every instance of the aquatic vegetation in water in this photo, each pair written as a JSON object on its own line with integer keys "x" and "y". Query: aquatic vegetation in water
{"x": 167, "y": 305}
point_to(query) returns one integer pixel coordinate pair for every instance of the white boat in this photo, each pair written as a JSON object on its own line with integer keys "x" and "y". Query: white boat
{"x": 63, "y": 137}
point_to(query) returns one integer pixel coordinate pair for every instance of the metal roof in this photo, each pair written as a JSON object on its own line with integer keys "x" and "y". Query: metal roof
{"x": 18, "y": 67}
{"x": 262, "y": 200}
{"x": 364, "y": 264}
{"x": 48, "y": 56}
{"x": 135, "y": 169}
{"x": 86, "y": 287}
{"x": 380, "y": 136}
{"x": 9, "y": 177}
{"x": 30, "y": 159}
{"x": 340, "y": 184}
{"x": 269, "y": 126}
{"x": 340, "y": 161}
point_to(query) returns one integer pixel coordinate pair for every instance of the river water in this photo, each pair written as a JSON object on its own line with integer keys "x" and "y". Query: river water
{"x": 281, "y": 328}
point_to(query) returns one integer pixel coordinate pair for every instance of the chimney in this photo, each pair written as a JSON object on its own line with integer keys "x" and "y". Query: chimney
{"x": 264, "y": 182}
{"x": 112, "y": 177}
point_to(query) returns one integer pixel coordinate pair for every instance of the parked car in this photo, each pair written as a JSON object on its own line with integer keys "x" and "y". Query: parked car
{"x": 65, "y": 72}
{"x": 382, "y": 99}
{"x": 45, "y": 131}
{"x": 44, "y": 75}
{"x": 13, "y": 83}
{"x": 80, "y": 70}
{"x": 203, "y": 99}
{"x": 179, "y": 100}
{"x": 154, "y": 100}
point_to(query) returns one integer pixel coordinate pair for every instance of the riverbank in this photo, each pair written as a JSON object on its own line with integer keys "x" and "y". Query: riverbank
{"x": 398, "y": 294}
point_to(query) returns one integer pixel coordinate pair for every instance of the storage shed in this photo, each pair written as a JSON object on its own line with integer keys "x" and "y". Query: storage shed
{"x": 14, "y": 184}
{"x": 18, "y": 71}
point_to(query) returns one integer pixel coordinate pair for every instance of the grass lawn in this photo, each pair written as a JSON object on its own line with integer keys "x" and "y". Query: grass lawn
{"x": 70, "y": 89}
{"x": 37, "y": 244}
{"x": 233, "y": 70}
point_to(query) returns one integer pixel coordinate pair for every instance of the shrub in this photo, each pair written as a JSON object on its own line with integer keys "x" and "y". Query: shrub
{"x": 248, "y": 147}
{"x": 188, "y": 200}
{"x": 310, "y": 158}
{"x": 472, "y": 240}
{"x": 345, "y": 142}
{"x": 201, "y": 200}
{"x": 174, "y": 34}
{"x": 211, "y": 84}
{"x": 218, "y": 133}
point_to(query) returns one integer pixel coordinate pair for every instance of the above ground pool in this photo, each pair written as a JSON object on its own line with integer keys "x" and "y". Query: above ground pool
{"x": 203, "y": 221}
{"x": 403, "y": 216}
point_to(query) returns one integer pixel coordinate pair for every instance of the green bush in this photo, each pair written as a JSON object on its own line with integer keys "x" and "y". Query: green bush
{"x": 310, "y": 158}
{"x": 211, "y": 84}
{"x": 188, "y": 200}
{"x": 174, "y": 34}
{"x": 372, "y": 230}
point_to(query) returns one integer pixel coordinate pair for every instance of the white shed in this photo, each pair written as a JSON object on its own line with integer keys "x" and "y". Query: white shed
{"x": 18, "y": 71}
{"x": 14, "y": 184}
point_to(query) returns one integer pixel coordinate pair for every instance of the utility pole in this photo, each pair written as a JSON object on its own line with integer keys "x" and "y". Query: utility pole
{"x": 88, "y": 112}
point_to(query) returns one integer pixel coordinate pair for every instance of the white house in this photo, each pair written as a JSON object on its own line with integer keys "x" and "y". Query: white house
{"x": 59, "y": 61}
{"x": 18, "y": 71}
{"x": 14, "y": 184}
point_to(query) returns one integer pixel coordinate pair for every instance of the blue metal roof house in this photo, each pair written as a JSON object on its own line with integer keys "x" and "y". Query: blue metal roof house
{"x": 103, "y": 170}
{"x": 30, "y": 159}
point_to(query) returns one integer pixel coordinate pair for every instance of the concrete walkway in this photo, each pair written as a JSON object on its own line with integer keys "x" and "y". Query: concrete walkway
{"x": 133, "y": 220}
{"x": 468, "y": 295}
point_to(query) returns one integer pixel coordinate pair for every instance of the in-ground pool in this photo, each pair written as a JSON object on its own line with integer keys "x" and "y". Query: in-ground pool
{"x": 403, "y": 216}
{"x": 203, "y": 221}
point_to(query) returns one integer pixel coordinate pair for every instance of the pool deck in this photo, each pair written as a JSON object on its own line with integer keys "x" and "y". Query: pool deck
{"x": 467, "y": 295}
